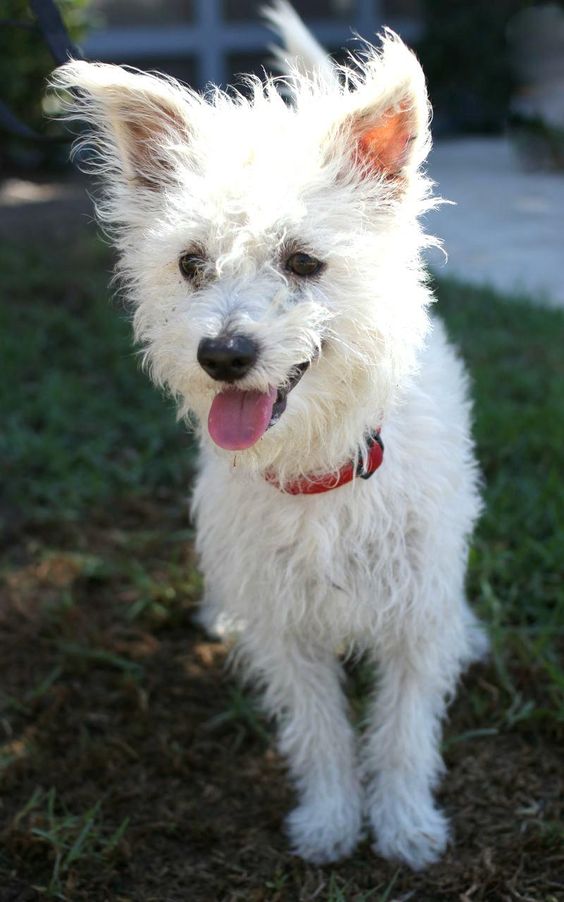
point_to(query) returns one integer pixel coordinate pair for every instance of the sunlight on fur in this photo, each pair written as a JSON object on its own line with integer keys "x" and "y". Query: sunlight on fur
{"x": 284, "y": 221}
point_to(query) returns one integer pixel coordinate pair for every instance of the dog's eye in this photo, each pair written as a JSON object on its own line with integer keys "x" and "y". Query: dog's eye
{"x": 192, "y": 266}
{"x": 303, "y": 265}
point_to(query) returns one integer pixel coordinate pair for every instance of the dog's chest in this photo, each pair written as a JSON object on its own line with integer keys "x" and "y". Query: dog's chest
{"x": 308, "y": 562}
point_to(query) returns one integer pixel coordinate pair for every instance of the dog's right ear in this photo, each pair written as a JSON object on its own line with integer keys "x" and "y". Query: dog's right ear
{"x": 140, "y": 127}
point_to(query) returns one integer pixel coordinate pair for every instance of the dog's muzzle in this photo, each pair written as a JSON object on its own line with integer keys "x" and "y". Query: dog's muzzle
{"x": 238, "y": 418}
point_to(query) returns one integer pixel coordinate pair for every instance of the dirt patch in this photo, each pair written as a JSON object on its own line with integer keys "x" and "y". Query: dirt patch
{"x": 121, "y": 725}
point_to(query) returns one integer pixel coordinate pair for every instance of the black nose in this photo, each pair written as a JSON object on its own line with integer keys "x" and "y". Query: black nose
{"x": 228, "y": 357}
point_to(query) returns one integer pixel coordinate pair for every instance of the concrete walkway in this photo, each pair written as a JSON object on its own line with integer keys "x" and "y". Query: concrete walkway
{"x": 507, "y": 228}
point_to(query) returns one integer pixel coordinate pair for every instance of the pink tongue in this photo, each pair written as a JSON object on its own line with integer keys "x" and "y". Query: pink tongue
{"x": 239, "y": 418}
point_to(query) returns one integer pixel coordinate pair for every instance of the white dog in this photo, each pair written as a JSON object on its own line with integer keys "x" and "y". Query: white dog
{"x": 271, "y": 252}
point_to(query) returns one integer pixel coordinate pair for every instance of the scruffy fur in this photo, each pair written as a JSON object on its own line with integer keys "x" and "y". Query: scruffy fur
{"x": 326, "y": 161}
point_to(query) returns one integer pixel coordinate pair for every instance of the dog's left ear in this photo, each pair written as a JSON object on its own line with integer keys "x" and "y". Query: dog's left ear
{"x": 385, "y": 131}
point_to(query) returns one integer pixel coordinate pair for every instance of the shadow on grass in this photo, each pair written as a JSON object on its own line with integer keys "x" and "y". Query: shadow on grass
{"x": 131, "y": 766}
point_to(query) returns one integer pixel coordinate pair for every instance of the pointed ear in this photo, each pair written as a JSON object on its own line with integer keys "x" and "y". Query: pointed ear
{"x": 386, "y": 129}
{"x": 139, "y": 121}
{"x": 383, "y": 143}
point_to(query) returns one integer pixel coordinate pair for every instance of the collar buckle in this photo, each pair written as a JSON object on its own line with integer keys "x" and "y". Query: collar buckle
{"x": 318, "y": 485}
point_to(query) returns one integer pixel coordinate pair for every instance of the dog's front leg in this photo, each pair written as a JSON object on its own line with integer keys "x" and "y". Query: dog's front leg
{"x": 303, "y": 692}
{"x": 401, "y": 750}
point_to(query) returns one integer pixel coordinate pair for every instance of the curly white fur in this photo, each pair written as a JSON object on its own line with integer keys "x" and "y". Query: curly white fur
{"x": 376, "y": 565}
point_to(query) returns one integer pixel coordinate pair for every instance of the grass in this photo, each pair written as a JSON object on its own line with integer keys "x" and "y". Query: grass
{"x": 514, "y": 354}
{"x": 131, "y": 767}
{"x": 340, "y": 891}
{"x": 68, "y": 837}
{"x": 81, "y": 425}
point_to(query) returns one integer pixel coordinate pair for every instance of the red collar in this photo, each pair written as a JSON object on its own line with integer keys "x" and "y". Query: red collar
{"x": 315, "y": 485}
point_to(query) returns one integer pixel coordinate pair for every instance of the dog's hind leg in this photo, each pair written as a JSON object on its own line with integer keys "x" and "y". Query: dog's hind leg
{"x": 401, "y": 756}
{"x": 303, "y": 691}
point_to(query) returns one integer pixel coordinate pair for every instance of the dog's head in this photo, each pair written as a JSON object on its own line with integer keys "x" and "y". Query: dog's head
{"x": 270, "y": 249}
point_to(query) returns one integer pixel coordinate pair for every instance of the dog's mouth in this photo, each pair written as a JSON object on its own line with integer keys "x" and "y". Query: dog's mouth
{"x": 238, "y": 419}
{"x": 282, "y": 393}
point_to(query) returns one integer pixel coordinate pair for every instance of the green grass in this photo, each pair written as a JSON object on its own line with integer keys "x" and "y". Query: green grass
{"x": 514, "y": 353}
{"x": 80, "y": 423}
{"x": 69, "y": 838}
{"x": 114, "y": 706}
{"x": 82, "y": 428}
{"x": 339, "y": 890}
{"x": 243, "y": 715}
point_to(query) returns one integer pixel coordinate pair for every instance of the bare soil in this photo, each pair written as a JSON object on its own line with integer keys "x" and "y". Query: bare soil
{"x": 112, "y": 695}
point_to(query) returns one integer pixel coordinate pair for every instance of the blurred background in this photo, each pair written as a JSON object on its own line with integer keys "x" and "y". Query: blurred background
{"x": 132, "y": 768}
{"x": 495, "y": 72}
{"x": 487, "y": 63}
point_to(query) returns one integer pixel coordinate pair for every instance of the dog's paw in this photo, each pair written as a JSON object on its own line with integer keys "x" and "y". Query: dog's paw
{"x": 325, "y": 831}
{"x": 412, "y": 831}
